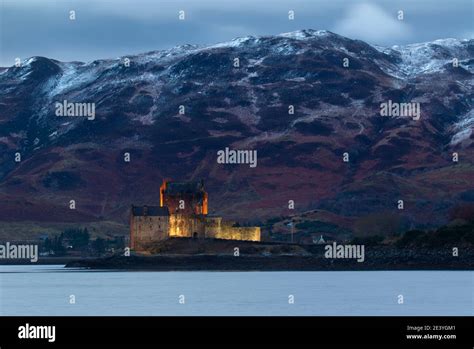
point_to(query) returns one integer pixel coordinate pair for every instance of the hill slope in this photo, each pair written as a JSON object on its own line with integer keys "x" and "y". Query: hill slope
{"x": 336, "y": 110}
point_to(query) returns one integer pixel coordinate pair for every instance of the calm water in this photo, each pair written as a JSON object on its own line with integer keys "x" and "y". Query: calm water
{"x": 45, "y": 290}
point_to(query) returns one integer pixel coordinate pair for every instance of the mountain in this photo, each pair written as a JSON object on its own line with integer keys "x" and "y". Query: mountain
{"x": 300, "y": 155}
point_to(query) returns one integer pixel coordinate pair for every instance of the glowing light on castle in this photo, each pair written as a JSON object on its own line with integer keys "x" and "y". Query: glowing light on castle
{"x": 183, "y": 212}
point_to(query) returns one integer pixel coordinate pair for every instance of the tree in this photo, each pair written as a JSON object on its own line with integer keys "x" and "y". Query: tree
{"x": 99, "y": 245}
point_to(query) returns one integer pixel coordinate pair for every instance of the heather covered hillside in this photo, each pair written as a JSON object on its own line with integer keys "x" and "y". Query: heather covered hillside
{"x": 173, "y": 110}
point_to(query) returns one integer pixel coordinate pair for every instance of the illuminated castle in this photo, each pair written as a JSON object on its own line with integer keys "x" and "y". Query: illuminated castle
{"x": 183, "y": 212}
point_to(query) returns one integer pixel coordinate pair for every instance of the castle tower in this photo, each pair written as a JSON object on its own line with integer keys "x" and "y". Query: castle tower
{"x": 184, "y": 197}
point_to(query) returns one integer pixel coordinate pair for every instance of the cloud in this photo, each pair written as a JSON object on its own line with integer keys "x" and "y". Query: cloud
{"x": 158, "y": 9}
{"x": 371, "y": 23}
{"x": 40, "y": 27}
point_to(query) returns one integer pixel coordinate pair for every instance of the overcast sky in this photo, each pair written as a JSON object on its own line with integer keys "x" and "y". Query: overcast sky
{"x": 112, "y": 28}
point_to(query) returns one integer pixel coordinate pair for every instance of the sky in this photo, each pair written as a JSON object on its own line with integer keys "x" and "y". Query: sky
{"x": 114, "y": 28}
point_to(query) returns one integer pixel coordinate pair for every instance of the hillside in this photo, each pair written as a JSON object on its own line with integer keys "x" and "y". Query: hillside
{"x": 336, "y": 110}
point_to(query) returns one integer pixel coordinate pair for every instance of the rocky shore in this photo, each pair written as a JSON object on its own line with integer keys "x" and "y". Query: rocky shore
{"x": 312, "y": 259}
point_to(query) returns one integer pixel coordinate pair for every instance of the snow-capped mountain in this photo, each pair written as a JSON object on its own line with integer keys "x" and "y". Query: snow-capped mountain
{"x": 244, "y": 104}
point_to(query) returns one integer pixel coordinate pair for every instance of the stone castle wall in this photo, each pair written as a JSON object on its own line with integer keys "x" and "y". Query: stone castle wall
{"x": 186, "y": 226}
{"x": 216, "y": 228}
{"x": 147, "y": 229}
{"x": 239, "y": 233}
{"x": 213, "y": 227}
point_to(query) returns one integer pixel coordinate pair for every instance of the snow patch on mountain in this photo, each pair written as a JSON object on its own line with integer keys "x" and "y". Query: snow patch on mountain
{"x": 237, "y": 42}
{"x": 72, "y": 77}
{"x": 463, "y": 129}
{"x": 430, "y": 57}
{"x": 305, "y": 34}
{"x": 163, "y": 55}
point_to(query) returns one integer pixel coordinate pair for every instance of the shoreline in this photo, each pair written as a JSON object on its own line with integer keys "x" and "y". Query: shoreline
{"x": 190, "y": 255}
{"x": 261, "y": 263}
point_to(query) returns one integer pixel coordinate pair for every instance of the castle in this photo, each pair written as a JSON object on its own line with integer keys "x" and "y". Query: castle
{"x": 183, "y": 212}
